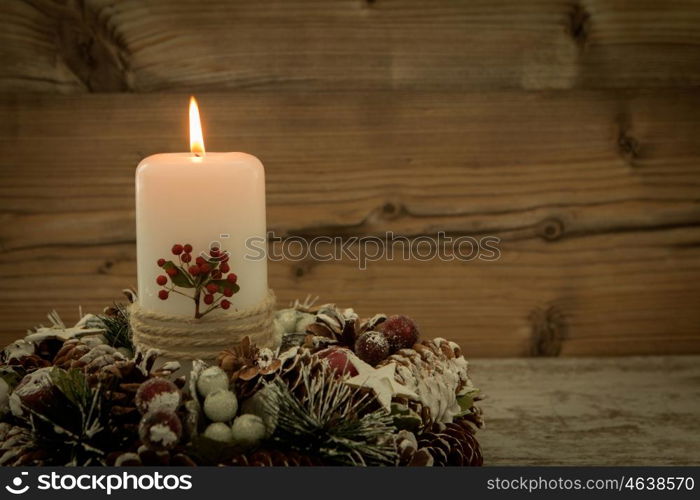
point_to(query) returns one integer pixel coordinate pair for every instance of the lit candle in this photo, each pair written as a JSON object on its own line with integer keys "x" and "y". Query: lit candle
{"x": 204, "y": 200}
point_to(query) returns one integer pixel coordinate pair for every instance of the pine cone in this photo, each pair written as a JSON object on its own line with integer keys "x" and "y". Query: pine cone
{"x": 23, "y": 353}
{"x": 273, "y": 458}
{"x": 15, "y": 442}
{"x": 30, "y": 362}
{"x": 339, "y": 326}
{"x": 78, "y": 354}
{"x": 248, "y": 366}
{"x": 293, "y": 361}
{"x": 452, "y": 444}
{"x": 120, "y": 381}
{"x": 48, "y": 348}
{"x": 437, "y": 372}
{"x": 71, "y": 351}
{"x": 408, "y": 452}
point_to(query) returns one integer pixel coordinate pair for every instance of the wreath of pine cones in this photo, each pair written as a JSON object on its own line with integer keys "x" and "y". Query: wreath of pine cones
{"x": 339, "y": 390}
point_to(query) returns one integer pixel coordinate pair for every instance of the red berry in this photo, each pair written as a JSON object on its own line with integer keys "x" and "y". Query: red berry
{"x": 177, "y": 249}
{"x": 372, "y": 347}
{"x": 171, "y": 271}
{"x": 225, "y": 267}
{"x": 204, "y": 268}
{"x": 232, "y": 278}
{"x": 216, "y": 274}
{"x": 162, "y": 280}
{"x": 228, "y": 292}
{"x": 400, "y": 331}
{"x": 213, "y": 288}
{"x": 187, "y": 248}
{"x": 161, "y": 262}
{"x": 199, "y": 261}
{"x": 194, "y": 270}
{"x": 214, "y": 252}
{"x": 208, "y": 299}
{"x": 163, "y": 294}
{"x": 186, "y": 257}
{"x": 225, "y": 304}
{"x": 224, "y": 257}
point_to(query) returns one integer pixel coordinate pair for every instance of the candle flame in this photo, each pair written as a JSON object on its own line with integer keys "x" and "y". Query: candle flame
{"x": 196, "y": 137}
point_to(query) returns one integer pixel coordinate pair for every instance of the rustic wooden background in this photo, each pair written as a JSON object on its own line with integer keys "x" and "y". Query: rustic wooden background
{"x": 570, "y": 129}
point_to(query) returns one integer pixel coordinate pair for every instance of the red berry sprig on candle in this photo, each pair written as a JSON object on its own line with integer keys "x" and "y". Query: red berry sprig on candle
{"x": 209, "y": 278}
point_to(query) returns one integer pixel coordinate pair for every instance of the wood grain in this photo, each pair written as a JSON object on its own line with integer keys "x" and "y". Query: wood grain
{"x": 617, "y": 411}
{"x": 157, "y": 45}
{"x": 593, "y": 193}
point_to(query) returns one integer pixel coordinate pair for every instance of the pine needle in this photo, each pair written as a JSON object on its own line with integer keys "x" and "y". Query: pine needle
{"x": 117, "y": 327}
{"x": 334, "y": 421}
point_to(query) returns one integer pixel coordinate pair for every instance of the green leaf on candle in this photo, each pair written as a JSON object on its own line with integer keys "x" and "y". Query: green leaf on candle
{"x": 181, "y": 279}
{"x": 226, "y": 284}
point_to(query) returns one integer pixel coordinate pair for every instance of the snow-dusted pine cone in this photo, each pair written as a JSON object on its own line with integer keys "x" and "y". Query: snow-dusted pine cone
{"x": 437, "y": 372}
{"x": 342, "y": 326}
{"x": 30, "y": 362}
{"x": 70, "y": 352}
{"x": 91, "y": 358}
{"x": 409, "y": 455}
{"x": 293, "y": 362}
{"x": 248, "y": 366}
{"x": 29, "y": 355}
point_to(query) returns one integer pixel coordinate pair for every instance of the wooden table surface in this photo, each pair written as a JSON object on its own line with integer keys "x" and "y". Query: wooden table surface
{"x": 590, "y": 411}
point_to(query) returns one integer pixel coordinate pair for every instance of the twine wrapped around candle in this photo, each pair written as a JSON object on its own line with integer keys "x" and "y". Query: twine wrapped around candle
{"x": 186, "y": 338}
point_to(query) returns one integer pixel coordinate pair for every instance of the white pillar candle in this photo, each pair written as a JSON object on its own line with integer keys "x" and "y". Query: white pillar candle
{"x": 195, "y": 199}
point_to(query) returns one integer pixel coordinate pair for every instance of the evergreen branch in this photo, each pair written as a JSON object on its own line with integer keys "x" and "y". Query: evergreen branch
{"x": 117, "y": 327}
{"x": 333, "y": 421}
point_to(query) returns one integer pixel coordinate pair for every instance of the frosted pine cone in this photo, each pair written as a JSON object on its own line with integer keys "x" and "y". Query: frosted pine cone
{"x": 248, "y": 366}
{"x": 25, "y": 354}
{"x": 437, "y": 372}
{"x": 293, "y": 362}
{"x": 30, "y": 363}
{"x": 90, "y": 357}
{"x": 71, "y": 351}
{"x": 342, "y": 326}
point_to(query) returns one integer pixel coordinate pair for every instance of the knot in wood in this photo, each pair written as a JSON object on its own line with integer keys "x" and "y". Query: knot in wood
{"x": 551, "y": 229}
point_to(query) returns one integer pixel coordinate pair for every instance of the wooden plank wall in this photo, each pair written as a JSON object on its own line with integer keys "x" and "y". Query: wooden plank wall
{"x": 569, "y": 129}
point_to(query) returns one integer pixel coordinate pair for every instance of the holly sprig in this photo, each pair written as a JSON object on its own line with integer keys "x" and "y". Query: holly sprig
{"x": 208, "y": 279}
